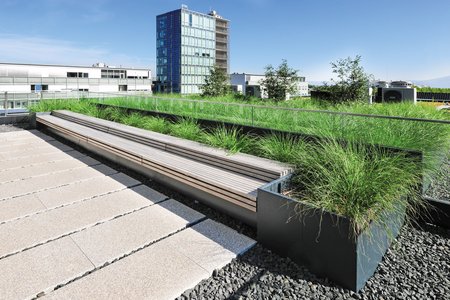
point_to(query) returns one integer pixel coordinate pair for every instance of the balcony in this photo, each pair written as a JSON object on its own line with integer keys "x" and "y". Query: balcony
{"x": 222, "y": 40}
{"x": 221, "y": 24}
{"x": 221, "y": 31}
{"x": 221, "y": 57}
{"x": 221, "y": 48}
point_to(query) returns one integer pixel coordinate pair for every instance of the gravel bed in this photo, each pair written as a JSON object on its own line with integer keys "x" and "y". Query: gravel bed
{"x": 440, "y": 187}
{"x": 9, "y": 127}
{"x": 417, "y": 266}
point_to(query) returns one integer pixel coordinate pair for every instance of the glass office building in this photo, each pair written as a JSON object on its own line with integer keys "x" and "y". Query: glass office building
{"x": 187, "y": 48}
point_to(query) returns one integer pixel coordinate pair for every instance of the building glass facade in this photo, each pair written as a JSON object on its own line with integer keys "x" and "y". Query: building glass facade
{"x": 186, "y": 50}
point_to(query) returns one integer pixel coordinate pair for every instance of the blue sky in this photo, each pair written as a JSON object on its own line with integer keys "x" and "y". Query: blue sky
{"x": 397, "y": 39}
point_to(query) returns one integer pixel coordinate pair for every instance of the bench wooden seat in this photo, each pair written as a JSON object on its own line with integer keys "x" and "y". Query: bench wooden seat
{"x": 250, "y": 165}
{"x": 223, "y": 187}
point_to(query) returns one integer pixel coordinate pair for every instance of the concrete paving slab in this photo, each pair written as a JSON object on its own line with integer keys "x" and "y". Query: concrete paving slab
{"x": 22, "y": 206}
{"x": 162, "y": 270}
{"x": 22, "y": 143}
{"x": 210, "y": 244}
{"x": 53, "y": 144}
{"x": 18, "y": 207}
{"x": 50, "y": 167}
{"x": 51, "y": 181}
{"x": 149, "y": 193}
{"x": 28, "y": 273}
{"x": 152, "y": 273}
{"x": 23, "y": 134}
{"x": 32, "y": 151}
{"x": 39, "y": 159}
{"x": 86, "y": 189}
{"x": 24, "y": 233}
{"x": 121, "y": 236}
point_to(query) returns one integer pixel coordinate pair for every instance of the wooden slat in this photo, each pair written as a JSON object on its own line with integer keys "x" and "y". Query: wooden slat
{"x": 258, "y": 167}
{"x": 169, "y": 160}
{"x": 232, "y": 187}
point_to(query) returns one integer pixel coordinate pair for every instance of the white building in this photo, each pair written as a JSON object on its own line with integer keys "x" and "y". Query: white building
{"x": 249, "y": 85}
{"x": 30, "y": 78}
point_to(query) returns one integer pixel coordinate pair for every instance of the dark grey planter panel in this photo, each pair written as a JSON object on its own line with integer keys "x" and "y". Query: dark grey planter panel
{"x": 320, "y": 240}
{"x": 438, "y": 213}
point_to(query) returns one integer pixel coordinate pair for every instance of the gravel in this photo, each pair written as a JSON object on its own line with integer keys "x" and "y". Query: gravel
{"x": 9, "y": 127}
{"x": 417, "y": 266}
{"x": 440, "y": 187}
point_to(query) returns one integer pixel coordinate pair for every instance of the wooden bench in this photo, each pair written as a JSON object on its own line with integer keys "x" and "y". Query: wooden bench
{"x": 224, "y": 181}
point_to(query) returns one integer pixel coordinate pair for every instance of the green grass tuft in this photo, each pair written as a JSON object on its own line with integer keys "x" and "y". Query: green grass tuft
{"x": 356, "y": 181}
{"x": 282, "y": 148}
{"x": 186, "y": 128}
{"x": 156, "y": 124}
{"x": 231, "y": 139}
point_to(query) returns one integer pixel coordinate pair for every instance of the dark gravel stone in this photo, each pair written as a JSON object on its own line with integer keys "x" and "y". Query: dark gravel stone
{"x": 440, "y": 186}
{"x": 417, "y": 266}
{"x": 15, "y": 127}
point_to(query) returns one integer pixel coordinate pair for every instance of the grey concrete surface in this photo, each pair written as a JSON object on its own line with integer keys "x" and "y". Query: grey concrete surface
{"x": 38, "y": 159}
{"x": 46, "y": 168}
{"x": 27, "y": 232}
{"x": 121, "y": 236}
{"x": 52, "y": 180}
{"x": 152, "y": 273}
{"x": 30, "y": 272}
{"x": 210, "y": 244}
{"x": 22, "y": 206}
{"x": 72, "y": 224}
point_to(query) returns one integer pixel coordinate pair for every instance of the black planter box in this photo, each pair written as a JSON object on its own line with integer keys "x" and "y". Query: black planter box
{"x": 438, "y": 213}
{"x": 320, "y": 240}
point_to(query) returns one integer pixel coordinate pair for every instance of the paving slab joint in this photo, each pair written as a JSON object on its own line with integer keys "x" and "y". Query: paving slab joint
{"x": 125, "y": 255}
{"x": 76, "y": 231}
{"x": 68, "y": 204}
{"x": 51, "y": 188}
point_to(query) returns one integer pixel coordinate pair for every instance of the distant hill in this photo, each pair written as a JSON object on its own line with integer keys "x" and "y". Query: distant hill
{"x": 442, "y": 82}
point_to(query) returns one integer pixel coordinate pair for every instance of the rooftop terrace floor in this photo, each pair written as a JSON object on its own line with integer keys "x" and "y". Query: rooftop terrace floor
{"x": 72, "y": 227}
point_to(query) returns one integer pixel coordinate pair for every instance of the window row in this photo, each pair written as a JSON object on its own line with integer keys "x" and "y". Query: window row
{"x": 199, "y": 21}
{"x": 190, "y": 89}
{"x": 77, "y": 74}
{"x": 195, "y": 70}
{"x": 195, "y": 51}
{"x": 198, "y": 33}
{"x": 197, "y": 60}
{"x": 192, "y": 79}
{"x": 197, "y": 42}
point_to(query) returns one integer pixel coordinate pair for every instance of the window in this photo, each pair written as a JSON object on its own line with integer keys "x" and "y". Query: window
{"x": 77, "y": 75}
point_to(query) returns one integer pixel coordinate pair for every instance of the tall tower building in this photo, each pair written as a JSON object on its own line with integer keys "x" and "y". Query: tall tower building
{"x": 188, "y": 44}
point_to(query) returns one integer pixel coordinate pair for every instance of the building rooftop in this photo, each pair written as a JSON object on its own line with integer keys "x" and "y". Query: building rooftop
{"x": 74, "y": 66}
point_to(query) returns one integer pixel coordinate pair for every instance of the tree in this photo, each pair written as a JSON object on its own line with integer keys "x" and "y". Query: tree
{"x": 280, "y": 82}
{"x": 352, "y": 82}
{"x": 216, "y": 84}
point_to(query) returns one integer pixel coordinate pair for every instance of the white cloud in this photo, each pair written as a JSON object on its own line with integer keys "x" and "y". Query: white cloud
{"x": 30, "y": 49}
